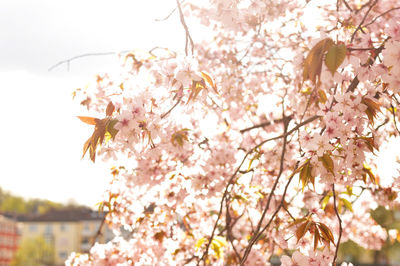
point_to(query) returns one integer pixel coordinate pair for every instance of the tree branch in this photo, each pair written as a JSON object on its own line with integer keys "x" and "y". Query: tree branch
{"x": 340, "y": 225}
{"x": 230, "y": 182}
{"x": 363, "y": 20}
{"x": 381, "y": 15}
{"x": 266, "y": 123}
{"x": 188, "y": 37}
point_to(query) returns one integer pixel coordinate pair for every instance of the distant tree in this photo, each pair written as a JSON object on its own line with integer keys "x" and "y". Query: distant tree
{"x": 17, "y": 204}
{"x": 34, "y": 252}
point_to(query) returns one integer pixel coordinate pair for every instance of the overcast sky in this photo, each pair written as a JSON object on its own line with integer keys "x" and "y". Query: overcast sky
{"x": 42, "y": 138}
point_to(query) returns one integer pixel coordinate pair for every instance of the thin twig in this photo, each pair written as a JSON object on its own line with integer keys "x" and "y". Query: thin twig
{"x": 362, "y": 21}
{"x": 266, "y": 123}
{"x": 172, "y": 108}
{"x": 170, "y": 14}
{"x": 309, "y": 120}
{"x": 282, "y": 159}
{"x": 340, "y": 225}
{"x": 276, "y": 211}
{"x": 68, "y": 61}
{"x": 99, "y": 233}
{"x": 377, "y": 51}
{"x": 347, "y": 5}
{"x": 188, "y": 37}
{"x": 394, "y": 118}
{"x": 381, "y": 15}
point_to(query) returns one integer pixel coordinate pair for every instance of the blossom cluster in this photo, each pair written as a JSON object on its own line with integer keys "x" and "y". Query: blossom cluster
{"x": 263, "y": 140}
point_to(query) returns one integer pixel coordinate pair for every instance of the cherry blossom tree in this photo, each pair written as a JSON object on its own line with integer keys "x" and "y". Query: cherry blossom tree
{"x": 261, "y": 139}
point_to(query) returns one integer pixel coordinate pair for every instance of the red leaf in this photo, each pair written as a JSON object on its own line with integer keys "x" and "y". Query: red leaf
{"x": 110, "y": 109}
{"x": 88, "y": 120}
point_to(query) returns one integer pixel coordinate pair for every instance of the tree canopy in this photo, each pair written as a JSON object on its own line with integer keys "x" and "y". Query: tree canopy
{"x": 260, "y": 140}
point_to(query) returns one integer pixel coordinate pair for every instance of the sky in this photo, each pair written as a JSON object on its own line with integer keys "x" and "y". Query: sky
{"x": 40, "y": 155}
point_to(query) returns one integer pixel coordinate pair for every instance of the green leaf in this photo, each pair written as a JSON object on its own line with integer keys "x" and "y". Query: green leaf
{"x": 327, "y": 162}
{"x": 335, "y": 57}
{"x": 110, "y": 128}
{"x": 325, "y": 201}
{"x": 347, "y": 204}
{"x": 220, "y": 241}
{"x": 200, "y": 242}
{"x": 313, "y": 63}
{"x": 217, "y": 245}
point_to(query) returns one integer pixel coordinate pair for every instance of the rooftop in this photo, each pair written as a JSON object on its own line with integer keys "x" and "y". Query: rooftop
{"x": 60, "y": 215}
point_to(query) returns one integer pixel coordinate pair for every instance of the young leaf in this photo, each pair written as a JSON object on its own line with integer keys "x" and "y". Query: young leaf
{"x": 347, "y": 204}
{"x": 322, "y": 96}
{"x": 110, "y": 109}
{"x": 325, "y": 201}
{"x": 110, "y": 128}
{"x": 367, "y": 171}
{"x": 88, "y": 120}
{"x": 297, "y": 221}
{"x": 326, "y": 233}
{"x": 373, "y": 107}
{"x": 200, "y": 242}
{"x": 335, "y": 57}
{"x": 302, "y": 229}
{"x": 313, "y": 63}
{"x": 209, "y": 80}
{"x": 303, "y": 175}
{"x": 316, "y": 238}
{"x": 327, "y": 162}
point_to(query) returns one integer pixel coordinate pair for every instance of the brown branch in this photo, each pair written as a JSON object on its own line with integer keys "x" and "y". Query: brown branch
{"x": 230, "y": 182}
{"x": 381, "y": 15}
{"x": 282, "y": 159}
{"x": 281, "y": 204}
{"x": 394, "y": 118}
{"x": 172, "y": 108}
{"x": 68, "y": 61}
{"x": 170, "y": 14}
{"x": 360, "y": 49}
{"x": 362, "y": 21}
{"x": 340, "y": 225}
{"x": 266, "y": 123}
{"x": 229, "y": 227}
{"x": 377, "y": 51}
{"x": 347, "y": 5}
{"x": 99, "y": 233}
{"x": 188, "y": 37}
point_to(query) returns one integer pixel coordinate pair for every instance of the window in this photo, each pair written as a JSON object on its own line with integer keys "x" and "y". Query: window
{"x": 48, "y": 229}
{"x": 63, "y": 255}
{"x": 86, "y": 227}
{"x": 63, "y": 227}
{"x": 32, "y": 228}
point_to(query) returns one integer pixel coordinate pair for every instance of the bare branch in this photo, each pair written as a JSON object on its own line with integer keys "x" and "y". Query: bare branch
{"x": 68, "y": 61}
{"x": 231, "y": 179}
{"x": 266, "y": 123}
{"x": 170, "y": 14}
{"x": 340, "y": 225}
{"x": 381, "y": 15}
{"x": 363, "y": 20}
{"x": 188, "y": 37}
{"x": 172, "y": 108}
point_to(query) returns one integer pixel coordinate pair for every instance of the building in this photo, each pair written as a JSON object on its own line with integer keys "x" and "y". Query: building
{"x": 9, "y": 239}
{"x": 67, "y": 230}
